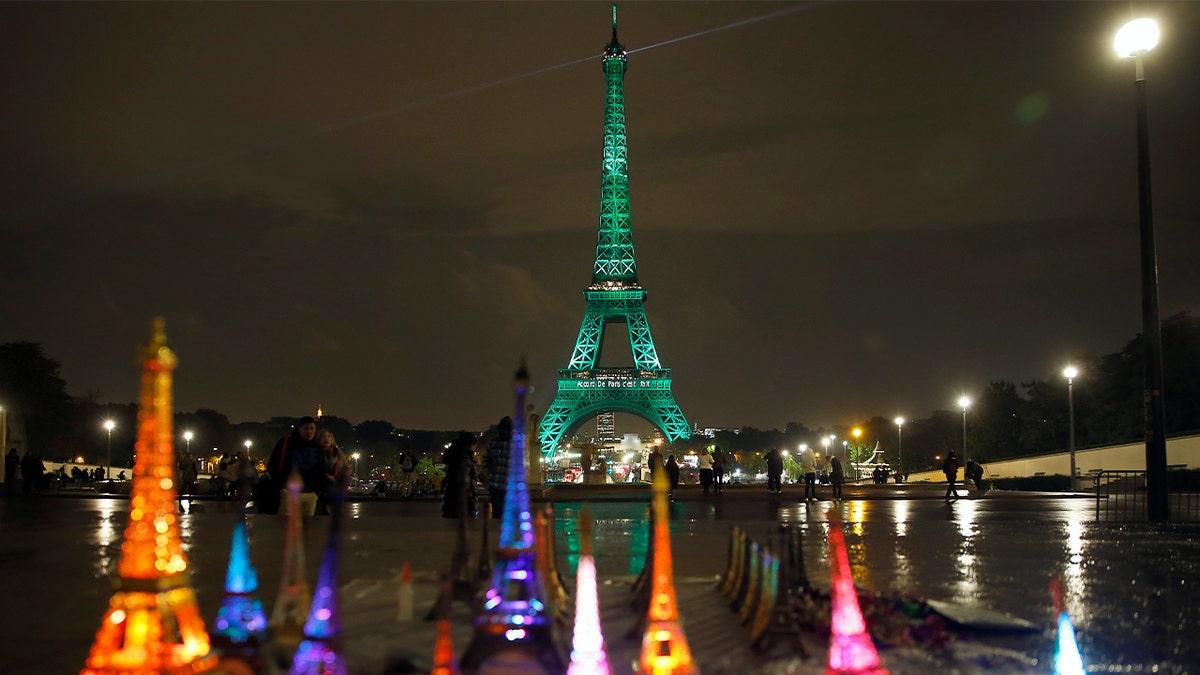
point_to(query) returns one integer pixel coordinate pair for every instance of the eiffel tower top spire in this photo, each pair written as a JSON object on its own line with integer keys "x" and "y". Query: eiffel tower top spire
{"x": 615, "y": 266}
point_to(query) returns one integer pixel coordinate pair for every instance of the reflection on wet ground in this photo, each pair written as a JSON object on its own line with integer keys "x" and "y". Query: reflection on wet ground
{"x": 1131, "y": 589}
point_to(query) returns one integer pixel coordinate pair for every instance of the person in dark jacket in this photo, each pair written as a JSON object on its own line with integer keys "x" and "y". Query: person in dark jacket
{"x": 672, "y": 475}
{"x": 459, "y": 484}
{"x": 950, "y": 469}
{"x": 495, "y": 464}
{"x": 297, "y": 453}
{"x": 774, "y": 471}
{"x": 837, "y": 476}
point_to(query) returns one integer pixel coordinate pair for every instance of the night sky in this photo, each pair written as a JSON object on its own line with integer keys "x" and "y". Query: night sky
{"x": 840, "y": 210}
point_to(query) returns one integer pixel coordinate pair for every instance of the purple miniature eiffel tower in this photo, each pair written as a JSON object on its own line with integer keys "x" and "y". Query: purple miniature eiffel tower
{"x": 321, "y": 651}
{"x": 515, "y": 624}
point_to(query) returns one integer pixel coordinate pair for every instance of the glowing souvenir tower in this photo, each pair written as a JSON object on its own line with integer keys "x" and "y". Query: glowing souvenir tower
{"x": 588, "y": 656}
{"x": 291, "y": 607}
{"x": 153, "y": 624}
{"x": 1067, "y": 659}
{"x": 615, "y": 296}
{"x": 515, "y": 624}
{"x": 850, "y": 647}
{"x": 321, "y": 651}
{"x": 665, "y": 649}
{"x": 241, "y": 625}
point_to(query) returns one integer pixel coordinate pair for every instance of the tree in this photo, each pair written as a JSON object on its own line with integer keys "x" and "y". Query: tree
{"x": 31, "y": 387}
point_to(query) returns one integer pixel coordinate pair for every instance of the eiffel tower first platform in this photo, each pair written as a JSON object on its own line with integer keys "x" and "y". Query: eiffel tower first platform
{"x": 614, "y": 297}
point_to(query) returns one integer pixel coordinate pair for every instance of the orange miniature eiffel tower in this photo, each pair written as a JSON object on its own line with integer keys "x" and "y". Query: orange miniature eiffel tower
{"x": 444, "y": 662}
{"x": 153, "y": 624}
{"x": 665, "y": 649}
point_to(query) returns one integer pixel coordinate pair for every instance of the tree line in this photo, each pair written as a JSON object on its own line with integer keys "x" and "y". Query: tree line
{"x": 1004, "y": 420}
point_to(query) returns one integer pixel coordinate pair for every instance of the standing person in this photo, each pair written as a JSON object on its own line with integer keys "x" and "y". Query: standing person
{"x": 337, "y": 469}
{"x": 974, "y": 474}
{"x": 495, "y": 464}
{"x": 774, "y": 471}
{"x": 950, "y": 469}
{"x": 808, "y": 467}
{"x": 706, "y": 469}
{"x": 654, "y": 463}
{"x": 672, "y": 468}
{"x": 719, "y": 461}
{"x": 30, "y": 472}
{"x": 12, "y": 462}
{"x": 223, "y": 475}
{"x": 459, "y": 483}
{"x": 296, "y": 452}
{"x": 187, "y": 479}
{"x": 836, "y": 477}
{"x": 408, "y": 473}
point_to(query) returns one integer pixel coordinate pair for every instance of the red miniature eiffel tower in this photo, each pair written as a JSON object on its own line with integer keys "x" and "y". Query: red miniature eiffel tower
{"x": 153, "y": 624}
{"x": 850, "y": 646}
{"x": 665, "y": 649}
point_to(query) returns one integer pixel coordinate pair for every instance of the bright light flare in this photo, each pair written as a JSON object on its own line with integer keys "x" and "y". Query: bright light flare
{"x": 1136, "y": 38}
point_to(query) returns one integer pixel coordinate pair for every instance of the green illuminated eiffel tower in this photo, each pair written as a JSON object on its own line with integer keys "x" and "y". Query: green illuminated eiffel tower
{"x": 615, "y": 296}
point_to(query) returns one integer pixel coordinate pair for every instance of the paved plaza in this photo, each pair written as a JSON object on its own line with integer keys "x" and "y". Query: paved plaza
{"x": 1130, "y": 588}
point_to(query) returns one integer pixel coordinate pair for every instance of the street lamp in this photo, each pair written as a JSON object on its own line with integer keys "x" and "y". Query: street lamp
{"x": 109, "y": 424}
{"x": 355, "y": 457}
{"x": 964, "y": 403}
{"x": 900, "y": 443}
{"x": 187, "y": 440}
{"x": 247, "y": 443}
{"x": 1070, "y": 372}
{"x": 1135, "y": 40}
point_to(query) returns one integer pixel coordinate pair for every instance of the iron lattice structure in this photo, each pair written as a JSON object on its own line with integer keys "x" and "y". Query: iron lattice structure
{"x": 614, "y": 297}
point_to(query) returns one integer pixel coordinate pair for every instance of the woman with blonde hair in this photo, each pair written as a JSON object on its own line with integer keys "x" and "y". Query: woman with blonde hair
{"x": 337, "y": 469}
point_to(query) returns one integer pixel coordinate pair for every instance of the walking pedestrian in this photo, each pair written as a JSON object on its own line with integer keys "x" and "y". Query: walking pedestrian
{"x": 950, "y": 469}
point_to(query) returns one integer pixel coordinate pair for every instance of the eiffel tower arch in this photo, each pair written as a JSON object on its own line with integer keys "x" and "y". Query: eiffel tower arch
{"x": 614, "y": 297}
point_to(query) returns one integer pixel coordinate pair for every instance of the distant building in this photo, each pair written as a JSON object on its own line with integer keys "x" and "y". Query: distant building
{"x": 710, "y": 432}
{"x": 606, "y": 427}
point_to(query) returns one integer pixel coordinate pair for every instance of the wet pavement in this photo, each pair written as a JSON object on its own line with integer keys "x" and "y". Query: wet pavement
{"x": 1131, "y": 589}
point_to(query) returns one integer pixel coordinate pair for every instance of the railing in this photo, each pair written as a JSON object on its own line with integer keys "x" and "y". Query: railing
{"x": 1121, "y": 495}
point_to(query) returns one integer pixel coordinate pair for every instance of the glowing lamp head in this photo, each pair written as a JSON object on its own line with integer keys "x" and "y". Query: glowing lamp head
{"x": 899, "y": 421}
{"x": 1136, "y": 38}
{"x": 109, "y": 424}
{"x": 1070, "y": 372}
{"x": 187, "y": 436}
{"x": 964, "y": 403}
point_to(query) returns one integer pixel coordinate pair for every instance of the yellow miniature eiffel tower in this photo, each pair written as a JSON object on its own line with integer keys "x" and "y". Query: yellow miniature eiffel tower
{"x": 665, "y": 649}
{"x": 153, "y": 624}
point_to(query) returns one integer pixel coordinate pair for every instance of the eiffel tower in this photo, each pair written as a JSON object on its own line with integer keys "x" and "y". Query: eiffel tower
{"x": 615, "y": 296}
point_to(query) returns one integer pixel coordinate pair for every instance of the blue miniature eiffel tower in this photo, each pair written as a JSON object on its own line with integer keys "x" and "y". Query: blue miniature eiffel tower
{"x": 321, "y": 651}
{"x": 516, "y": 625}
{"x": 241, "y": 626}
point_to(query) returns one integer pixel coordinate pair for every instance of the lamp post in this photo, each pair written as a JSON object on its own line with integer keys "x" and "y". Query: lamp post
{"x": 187, "y": 440}
{"x": 247, "y": 443}
{"x": 900, "y": 444}
{"x": 109, "y": 424}
{"x": 1070, "y": 372}
{"x": 964, "y": 403}
{"x": 355, "y": 457}
{"x": 1133, "y": 41}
